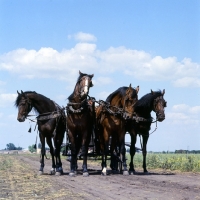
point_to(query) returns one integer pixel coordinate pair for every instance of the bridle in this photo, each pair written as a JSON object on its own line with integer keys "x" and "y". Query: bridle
{"x": 84, "y": 89}
{"x": 126, "y": 100}
{"x": 157, "y": 100}
{"x": 28, "y": 105}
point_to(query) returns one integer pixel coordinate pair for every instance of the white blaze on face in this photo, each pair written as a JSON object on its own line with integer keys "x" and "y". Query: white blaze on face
{"x": 85, "y": 89}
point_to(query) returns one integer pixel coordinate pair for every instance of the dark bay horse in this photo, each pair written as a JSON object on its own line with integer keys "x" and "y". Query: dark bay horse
{"x": 80, "y": 118}
{"x": 51, "y": 124}
{"x": 111, "y": 119}
{"x": 142, "y": 121}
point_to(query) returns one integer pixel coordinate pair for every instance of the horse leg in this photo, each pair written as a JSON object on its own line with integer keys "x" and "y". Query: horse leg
{"x": 73, "y": 162}
{"x": 132, "y": 153}
{"x": 58, "y": 143}
{"x": 42, "y": 140}
{"x": 123, "y": 154}
{"x": 59, "y": 169}
{"x": 85, "y": 143}
{"x": 105, "y": 152}
{"x": 144, "y": 152}
{"x": 49, "y": 142}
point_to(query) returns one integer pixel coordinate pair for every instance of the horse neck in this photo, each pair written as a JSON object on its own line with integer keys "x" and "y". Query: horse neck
{"x": 75, "y": 96}
{"x": 117, "y": 101}
{"x": 145, "y": 110}
{"x": 41, "y": 103}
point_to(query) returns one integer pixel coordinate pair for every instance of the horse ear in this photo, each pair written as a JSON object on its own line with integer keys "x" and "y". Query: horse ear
{"x": 163, "y": 92}
{"x": 137, "y": 89}
{"x": 80, "y": 72}
{"x": 130, "y": 86}
{"x": 152, "y": 92}
{"x": 92, "y": 75}
{"x": 18, "y": 92}
{"x": 22, "y": 93}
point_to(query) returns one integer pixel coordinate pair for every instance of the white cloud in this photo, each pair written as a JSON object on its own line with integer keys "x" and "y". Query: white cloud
{"x": 48, "y": 63}
{"x": 187, "y": 82}
{"x": 7, "y": 99}
{"x": 102, "y": 81}
{"x": 184, "y": 114}
{"x": 102, "y": 95}
{"x": 83, "y": 37}
{"x": 186, "y": 108}
{"x": 182, "y": 119}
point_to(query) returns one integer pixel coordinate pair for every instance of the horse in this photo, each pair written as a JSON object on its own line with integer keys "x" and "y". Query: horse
{"x": 51, "y": 123}
{"x": 141, "y": 122}
{"x": 111, "y": 119}
{"x": 80, "y": 118}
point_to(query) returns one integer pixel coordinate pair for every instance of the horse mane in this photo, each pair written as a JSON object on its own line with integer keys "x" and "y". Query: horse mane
{"x": 79, "y": 78}
{"x": 19, "y": 97}
{"x": 145, "y": 102}
{"x": 121, "y": 91}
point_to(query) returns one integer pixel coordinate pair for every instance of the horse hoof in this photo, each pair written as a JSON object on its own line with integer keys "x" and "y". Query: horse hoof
{"x": 125, "y": 173}
{"x": 73, "y": 174}
{"x": 146, "y": 172}
{"x": 51, "y": 172}
{"x": 58, "y": 173}
{"x": 131, "y": 172}
{"x": 103, "y": 173}
{"x": 85, "y": 174}
{"x": 40, "y": 172}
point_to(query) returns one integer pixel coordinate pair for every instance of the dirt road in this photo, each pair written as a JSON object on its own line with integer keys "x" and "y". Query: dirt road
{"x": 19, "y": 180}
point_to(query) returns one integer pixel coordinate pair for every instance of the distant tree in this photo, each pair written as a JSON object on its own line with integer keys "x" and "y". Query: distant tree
{"x": 32, "y": 148}
{"x": 10, "y": 146}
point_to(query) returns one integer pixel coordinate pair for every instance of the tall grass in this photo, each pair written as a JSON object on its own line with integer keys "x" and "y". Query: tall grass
{"x": 181, "y": 162}
{"x": 5, "y": 162}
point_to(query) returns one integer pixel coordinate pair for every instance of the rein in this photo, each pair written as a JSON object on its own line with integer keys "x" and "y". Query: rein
{"x": 108, "y": 107}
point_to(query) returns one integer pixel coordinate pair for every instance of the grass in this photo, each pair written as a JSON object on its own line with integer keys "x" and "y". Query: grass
{"x": 5, "y": 163}
{"x": 181, "y": 162}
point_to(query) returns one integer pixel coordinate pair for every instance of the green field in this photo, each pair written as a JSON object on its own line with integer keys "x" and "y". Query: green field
{"x": 181, "y": 162}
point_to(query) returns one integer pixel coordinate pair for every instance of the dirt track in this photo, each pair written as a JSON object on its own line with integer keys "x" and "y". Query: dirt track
{"x": 22, "y": 182}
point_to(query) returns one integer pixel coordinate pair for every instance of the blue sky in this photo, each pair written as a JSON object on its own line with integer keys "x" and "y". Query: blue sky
{"x": 153, "y": 44}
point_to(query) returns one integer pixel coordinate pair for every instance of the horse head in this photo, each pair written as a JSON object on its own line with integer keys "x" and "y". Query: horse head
{"x": 85, "y": 82}
{"x": 130, "y": 98}
{"x": 159, "y": 105}
{"x": 24, "y": 106}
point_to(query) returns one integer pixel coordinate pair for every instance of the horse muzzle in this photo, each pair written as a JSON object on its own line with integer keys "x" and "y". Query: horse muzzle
{"x": 160, "y": 117}
{"x": 21, "y": 119}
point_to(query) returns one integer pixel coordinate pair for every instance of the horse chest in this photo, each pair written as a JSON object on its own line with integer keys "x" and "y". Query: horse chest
{"x": 78, "y": 121}
{"x": 46, "y": 127}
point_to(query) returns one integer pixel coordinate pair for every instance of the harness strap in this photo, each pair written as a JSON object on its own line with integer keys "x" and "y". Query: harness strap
{"x": 141, "y": 119}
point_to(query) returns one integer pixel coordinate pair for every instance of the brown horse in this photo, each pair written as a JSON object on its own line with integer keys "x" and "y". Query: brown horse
{"x": 111, "y": 120}
{"x": 51, "y": 124}
{"x": 142, "y": 120}
{"x": 80, "y": 118}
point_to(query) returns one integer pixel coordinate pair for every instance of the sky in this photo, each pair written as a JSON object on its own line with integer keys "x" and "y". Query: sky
{"x": 154, "y": 44}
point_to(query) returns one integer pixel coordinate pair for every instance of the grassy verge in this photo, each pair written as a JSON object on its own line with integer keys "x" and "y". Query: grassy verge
{"x": 181, "y": 162}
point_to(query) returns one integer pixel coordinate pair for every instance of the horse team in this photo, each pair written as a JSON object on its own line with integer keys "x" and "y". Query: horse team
{"x": 108, "y": 122}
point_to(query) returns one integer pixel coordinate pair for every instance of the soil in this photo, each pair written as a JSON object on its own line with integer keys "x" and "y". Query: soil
{"x": 19, "y": 179}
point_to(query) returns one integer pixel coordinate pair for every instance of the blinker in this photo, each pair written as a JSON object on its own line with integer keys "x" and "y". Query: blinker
{"x": 29, "y": 130}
